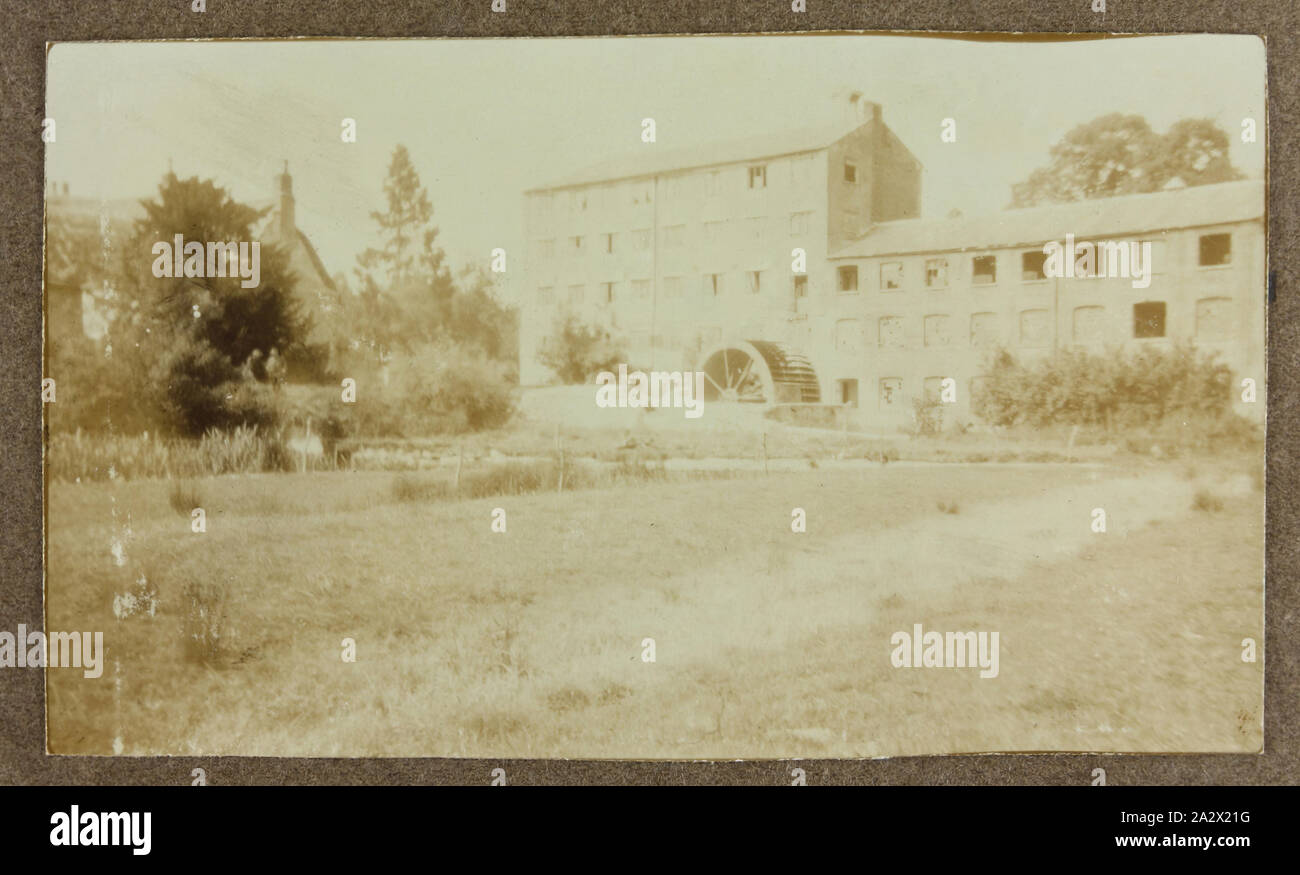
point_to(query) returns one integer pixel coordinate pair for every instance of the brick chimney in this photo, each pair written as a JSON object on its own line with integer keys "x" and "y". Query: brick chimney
{"x": 285, "y": 227}
{"x": 855, "y": 109}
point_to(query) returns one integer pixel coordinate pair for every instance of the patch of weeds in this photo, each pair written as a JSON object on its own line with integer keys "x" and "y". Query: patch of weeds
{"x": 495, "y": 729}
{"x": 613, "y": 693}
{"x": 568, "y": 699}
{"x": 407, "y": 488}
{"x": 506, "y": 657}
{"x": 206, "y": 622}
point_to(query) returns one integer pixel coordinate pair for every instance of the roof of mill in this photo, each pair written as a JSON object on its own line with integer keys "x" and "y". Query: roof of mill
{"x": 1191, "y": 207}
{"x": 667, "y": 160}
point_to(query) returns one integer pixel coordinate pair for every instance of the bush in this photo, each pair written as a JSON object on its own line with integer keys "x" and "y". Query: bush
{"x": 97, "y": 390}
{"x": 241, "y": 451}
{"x": 1178, "y": 391}
{"x": 199, "y": 389}
{"x": 439, "y": 389}
{"x": 576, "y": 351}
{"x": 927, "y": 416}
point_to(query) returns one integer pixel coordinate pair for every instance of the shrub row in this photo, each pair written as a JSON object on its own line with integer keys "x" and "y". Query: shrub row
{"x": 243, "y": 450}
{"x": 1116, "y": 389}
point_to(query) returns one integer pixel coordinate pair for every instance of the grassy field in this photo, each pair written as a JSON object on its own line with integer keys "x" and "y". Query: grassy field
{"x": 768, "y": 643}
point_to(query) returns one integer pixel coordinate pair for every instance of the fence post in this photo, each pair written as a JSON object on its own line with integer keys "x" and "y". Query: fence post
{"x": 764, "y": 454}
{"x": 460, "y": 458}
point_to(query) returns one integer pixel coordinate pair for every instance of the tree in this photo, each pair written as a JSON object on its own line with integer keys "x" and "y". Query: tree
{"x": 407, "y": 298}
{"x": 1195, "y": 151}
{"x": 405, "y": 286}
{"x": 203, "y": 338}
{"x": 476, "y": 318}
{"x": 575, "y": 351}
{"x": 1120, "y": 154}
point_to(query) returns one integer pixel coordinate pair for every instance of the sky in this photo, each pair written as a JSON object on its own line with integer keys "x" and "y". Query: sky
{"x": 486, "y": 119}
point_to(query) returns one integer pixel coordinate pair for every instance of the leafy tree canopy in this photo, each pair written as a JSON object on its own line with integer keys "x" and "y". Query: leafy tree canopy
{"x": 1120, "y": 154}
{"x": 407, "y": 298}
{"x": 202, "y": 338}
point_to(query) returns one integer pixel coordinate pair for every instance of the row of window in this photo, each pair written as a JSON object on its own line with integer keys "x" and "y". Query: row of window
{"x": 1214, "y": 250}
{"x": 799, "y": 173}
{"x": 1214, "y": 323}
{"x": 672, "y": 237}
{"x": 712, "y": 285}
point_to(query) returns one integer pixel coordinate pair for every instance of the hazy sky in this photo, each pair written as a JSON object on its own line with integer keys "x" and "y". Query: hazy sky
{"x": 486, "y": 119}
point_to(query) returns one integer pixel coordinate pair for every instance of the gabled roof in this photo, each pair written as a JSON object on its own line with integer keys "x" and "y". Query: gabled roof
{"x": 654, "y": 159}
{"x": 1101, "y": 217}
{"x": 269, "y": 229}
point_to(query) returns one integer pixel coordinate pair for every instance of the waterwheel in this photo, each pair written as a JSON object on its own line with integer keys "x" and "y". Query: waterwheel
{"x": 758, "y": 372}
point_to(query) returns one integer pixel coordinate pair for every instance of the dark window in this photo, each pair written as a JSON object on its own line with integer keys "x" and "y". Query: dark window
{"x": 609, "y": 243}
{"x": 1031, "y": 265}
{"x": 1149, "y": 319}
{"x": 984, "y": 270}
{"x": 849, "y": 393}
{"x": 850, "y": 172}
{"x": 1216, "y": 249}
{"x": 801, "y": 286}
{"x": 848, "y": 278}
{"x": 609, "y": 293}
{"x": 758, "y": 176}
{"x": 936, "y": 273}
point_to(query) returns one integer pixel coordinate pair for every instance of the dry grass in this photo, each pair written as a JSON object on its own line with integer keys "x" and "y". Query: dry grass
{"x": 769, "y": 643}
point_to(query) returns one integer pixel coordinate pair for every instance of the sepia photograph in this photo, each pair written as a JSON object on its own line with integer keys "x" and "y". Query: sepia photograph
{"x": 844, "y": 395}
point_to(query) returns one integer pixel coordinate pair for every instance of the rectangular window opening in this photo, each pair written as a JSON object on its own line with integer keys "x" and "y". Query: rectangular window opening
{"x": 1216, "y": 249}
{"x": 1149, "y": 319}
